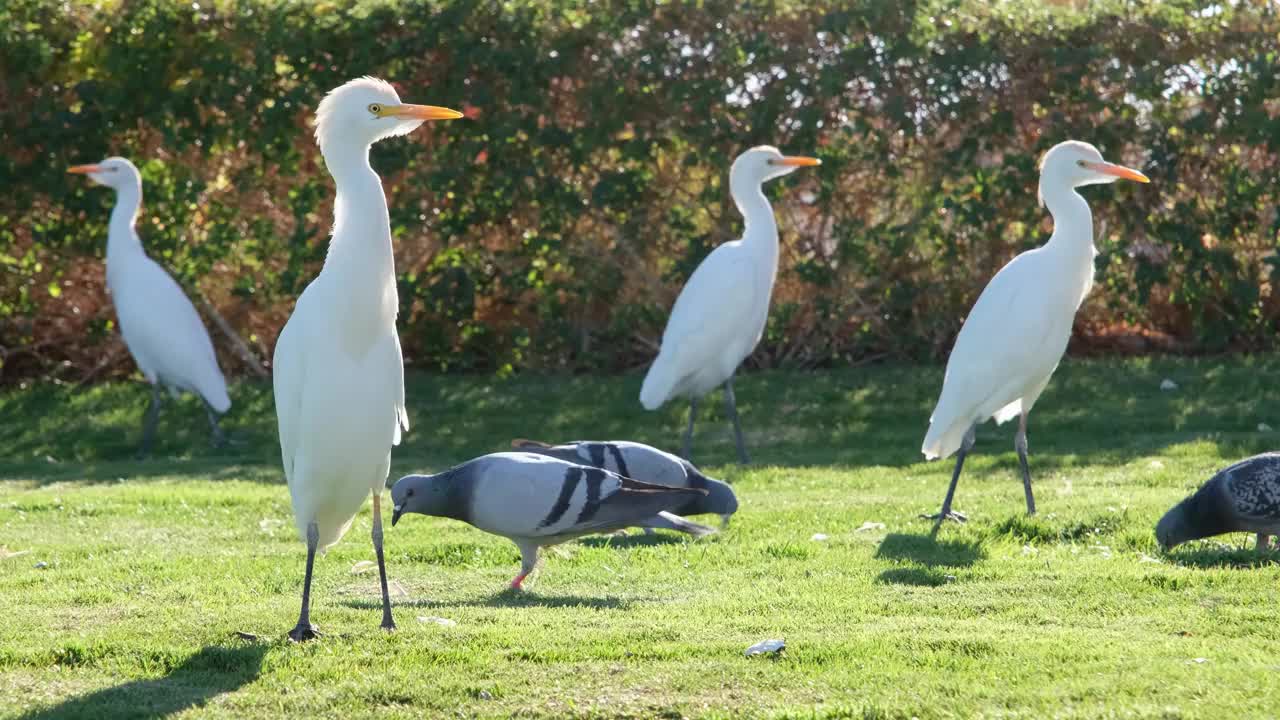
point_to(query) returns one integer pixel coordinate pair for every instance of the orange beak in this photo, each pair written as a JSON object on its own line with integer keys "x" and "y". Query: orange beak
{"x": 84, "y": 169}
{"x": 797, "y": 161}
{"x": 1119, "y": 171}
{"x": 422, "y": 112}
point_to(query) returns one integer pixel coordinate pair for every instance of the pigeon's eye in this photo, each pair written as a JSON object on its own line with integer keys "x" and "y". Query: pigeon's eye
{"x": 1080, "y": 163}
{"x": 375, "y": 108}
{"x": 409, "y": 493}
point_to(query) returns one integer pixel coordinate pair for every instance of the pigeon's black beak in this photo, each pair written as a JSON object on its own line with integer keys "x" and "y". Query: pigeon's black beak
{"x": 398, "y": 510}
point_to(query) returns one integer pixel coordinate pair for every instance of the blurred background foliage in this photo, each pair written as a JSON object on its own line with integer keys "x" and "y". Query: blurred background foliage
{"x": 553, "y": 228}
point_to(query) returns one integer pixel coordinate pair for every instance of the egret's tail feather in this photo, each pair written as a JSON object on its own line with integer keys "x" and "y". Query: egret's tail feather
{"x": 667, "y": 521}
{"x": 218, "y": 399}
{"x": 943, "y": 439}
{"x": 658, "y": 383}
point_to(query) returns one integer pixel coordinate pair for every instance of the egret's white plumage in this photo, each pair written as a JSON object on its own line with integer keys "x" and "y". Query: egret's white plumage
{"x": 1018, "y": 329}
{"x": 338, "y": 371}
{"x": 720, "y": 314}
{"x": 160, "y": 326}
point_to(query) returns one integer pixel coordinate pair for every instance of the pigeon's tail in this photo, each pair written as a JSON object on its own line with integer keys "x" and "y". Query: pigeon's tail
{"x": 523, "y": 444}
{"x": 667, "y": 521}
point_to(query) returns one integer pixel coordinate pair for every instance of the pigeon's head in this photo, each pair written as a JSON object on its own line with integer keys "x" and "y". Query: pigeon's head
{"x": 722, "y": 501}
{"x": 1201, "y": 515}
{"x": 425, "y": 494}
{"x": 719, "y": 500}
{"x": 1172, "y": 531}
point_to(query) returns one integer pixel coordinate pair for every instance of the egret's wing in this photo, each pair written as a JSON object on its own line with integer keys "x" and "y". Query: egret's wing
{"x": 715, "y": 310}
{"x": 288, "y": 375}
{"x": 160, "y": 323}
{"x": 715, "y": 304}
{"x": 401, "y": 411}
{"x": 1011, "y": 340}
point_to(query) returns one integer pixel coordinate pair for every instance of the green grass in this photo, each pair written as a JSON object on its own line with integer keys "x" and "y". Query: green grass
{"x": 152, "y": 567}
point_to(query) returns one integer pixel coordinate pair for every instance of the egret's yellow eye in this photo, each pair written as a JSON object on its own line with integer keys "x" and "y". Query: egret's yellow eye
{"x": 375, "y": 108}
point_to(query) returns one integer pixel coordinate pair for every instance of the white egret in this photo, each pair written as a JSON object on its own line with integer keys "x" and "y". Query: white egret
{"x": 338, "y": 371}
{"x": 720, "y": 314}
{"x": 1018, "y": 329}
{"x": 160, "y": 326}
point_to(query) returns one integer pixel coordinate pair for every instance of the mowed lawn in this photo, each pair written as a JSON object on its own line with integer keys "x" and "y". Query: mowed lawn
{"x": 124, "y": 584}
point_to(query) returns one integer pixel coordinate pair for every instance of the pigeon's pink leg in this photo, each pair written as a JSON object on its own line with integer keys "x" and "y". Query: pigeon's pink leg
{"x": 516, "y": 584}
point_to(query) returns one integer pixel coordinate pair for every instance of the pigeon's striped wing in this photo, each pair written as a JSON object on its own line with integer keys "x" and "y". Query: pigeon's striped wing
{"x": 528, "y": 495}
{"x": 1253, "y": 487}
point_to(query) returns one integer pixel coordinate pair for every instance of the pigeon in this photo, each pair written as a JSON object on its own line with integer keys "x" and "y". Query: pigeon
{"x": 1242, "y": 498}
{"x": 535, "y": 500}
{"x": 646, "y": 464}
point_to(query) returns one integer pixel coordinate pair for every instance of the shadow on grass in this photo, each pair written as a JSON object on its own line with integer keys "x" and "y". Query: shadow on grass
{"x": 924, "y": 577}
{"x": 929, "y": 551}
{"x": 212, "y": 671}
{"x": 634, "y": 540}
{"x": 504, "y": 599}
{"x": 1218, "y": 555}
{"x": 228, "y": 467}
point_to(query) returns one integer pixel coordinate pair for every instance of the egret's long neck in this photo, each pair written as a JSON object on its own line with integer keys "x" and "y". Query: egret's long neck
{"x": 122, "y": 239}
{"x": 1072, "y": 220}
{"x": 361, "y": 241}
{"x": 761, "y": 231}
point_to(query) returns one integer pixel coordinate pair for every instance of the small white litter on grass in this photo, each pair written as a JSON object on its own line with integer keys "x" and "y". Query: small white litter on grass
{"x": 1028, "y": 550}
{"x": 1263, "y": 427}
{"x": 442, "y": 622}
{"x": 41, "y": 565}
{"x": 1168, "y": 385}
{"x": 1156, "y": 464}
{"x": 870, "y": 525}
{"x": 818, "y": 537}
{"x": 767, "y": 647}
{"x": 1198, "y": 661}
{"x": 363, "y": 566}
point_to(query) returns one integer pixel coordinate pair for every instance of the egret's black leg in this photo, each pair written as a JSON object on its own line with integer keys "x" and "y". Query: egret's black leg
{"x": 946, "y": 513}
{"x": 150, "y": 419}
{"x": 731, "y": 404}
{"x": 687, "y": 452}
{"x": 1020, "y": 444}
{"x": 304, "y": 630}
{"x": 218, "y": 438}
{"x": 387, "y": 622}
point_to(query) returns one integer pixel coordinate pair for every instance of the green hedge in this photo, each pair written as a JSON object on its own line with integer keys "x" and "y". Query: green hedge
{"x": 554, "y": 228}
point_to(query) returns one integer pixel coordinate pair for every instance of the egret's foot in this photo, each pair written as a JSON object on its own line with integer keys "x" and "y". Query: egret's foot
{"x": 952, "y": 515}
{"x": 388, "y": 624}
{"x": 303, "y": 633}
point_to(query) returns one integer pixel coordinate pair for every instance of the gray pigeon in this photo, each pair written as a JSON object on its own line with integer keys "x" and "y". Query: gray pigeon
{"x": 1243, "y": 498}
{"x": 536, "y": 500}
{"x": 646, "y": 464}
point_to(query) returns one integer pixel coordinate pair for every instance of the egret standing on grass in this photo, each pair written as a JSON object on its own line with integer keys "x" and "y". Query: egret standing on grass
{"x": 1018, "y": 329}
{"x": 338, "y": 371}
{"x": 721, "y": 312}
{"x": 160, "y": 326}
